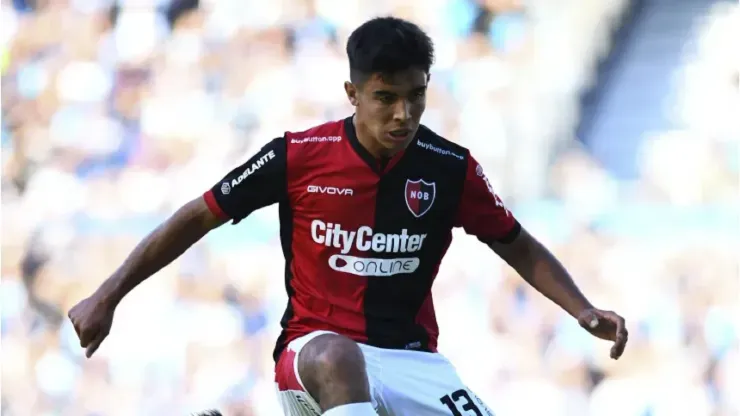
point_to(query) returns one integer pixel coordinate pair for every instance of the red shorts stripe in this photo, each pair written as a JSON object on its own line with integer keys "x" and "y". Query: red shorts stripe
{"x": 285, "y": 375}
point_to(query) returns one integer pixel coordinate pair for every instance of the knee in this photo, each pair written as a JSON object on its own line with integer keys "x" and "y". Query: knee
{"x": 331, "y": 365}
{"x": 331, "y": 355}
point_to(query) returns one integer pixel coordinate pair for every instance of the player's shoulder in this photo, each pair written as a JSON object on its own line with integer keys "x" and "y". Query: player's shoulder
{"x": 329, "y": 132}
{"x": 316, "y": 143}
{"x": 437, "y": 148}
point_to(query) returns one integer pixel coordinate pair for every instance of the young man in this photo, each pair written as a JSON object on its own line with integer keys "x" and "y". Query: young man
{"x": 367, "y": 206}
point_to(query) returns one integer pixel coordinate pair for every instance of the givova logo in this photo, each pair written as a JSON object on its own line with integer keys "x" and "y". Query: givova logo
{"x": 364, "y": 239}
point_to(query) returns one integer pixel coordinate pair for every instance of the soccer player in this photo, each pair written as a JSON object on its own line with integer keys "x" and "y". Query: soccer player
{"x": 367, "y": 206}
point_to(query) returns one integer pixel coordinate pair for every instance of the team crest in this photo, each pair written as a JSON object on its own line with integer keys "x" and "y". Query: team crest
{"x": 420, "y": 196}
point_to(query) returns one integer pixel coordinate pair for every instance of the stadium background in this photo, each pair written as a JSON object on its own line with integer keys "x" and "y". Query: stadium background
{"x": 610, "y": 127}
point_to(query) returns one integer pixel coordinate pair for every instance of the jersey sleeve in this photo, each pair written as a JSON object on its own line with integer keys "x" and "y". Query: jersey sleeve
{"x": 259, "y": 182}
{"x": 481, "y": 212}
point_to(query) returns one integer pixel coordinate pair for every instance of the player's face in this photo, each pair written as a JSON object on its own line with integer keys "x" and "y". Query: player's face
{"x": 389, "y": 107}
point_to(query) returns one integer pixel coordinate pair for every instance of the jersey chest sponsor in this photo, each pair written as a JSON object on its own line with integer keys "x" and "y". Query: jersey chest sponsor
{"x": 365, "y": 240}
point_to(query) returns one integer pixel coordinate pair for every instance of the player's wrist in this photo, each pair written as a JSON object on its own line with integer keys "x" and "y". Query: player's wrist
{"x": 579, "y": 307}
{"x": 110, "y": 294}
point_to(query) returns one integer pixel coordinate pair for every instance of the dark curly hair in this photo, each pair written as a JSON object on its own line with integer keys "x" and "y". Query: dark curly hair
{"x": 387, "y": 45}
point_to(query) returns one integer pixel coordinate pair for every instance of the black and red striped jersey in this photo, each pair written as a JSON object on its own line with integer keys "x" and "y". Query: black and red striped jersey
{"x": 363, "y": 240}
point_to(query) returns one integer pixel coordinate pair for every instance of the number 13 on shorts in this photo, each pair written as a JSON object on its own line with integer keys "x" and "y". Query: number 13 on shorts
{"x": 464, "y": 402}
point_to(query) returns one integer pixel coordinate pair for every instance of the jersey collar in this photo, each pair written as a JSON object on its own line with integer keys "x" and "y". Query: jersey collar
{"x": 379, "y": 166}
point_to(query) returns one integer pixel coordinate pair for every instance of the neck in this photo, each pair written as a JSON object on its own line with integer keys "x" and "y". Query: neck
{"x": 369, "y": 143}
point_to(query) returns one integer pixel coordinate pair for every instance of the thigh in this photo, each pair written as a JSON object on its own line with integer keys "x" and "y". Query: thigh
{"x": 419, "y": 383}
{"x": 292, "y": 395}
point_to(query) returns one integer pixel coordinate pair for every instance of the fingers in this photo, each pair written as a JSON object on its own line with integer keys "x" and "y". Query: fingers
{"x": 85, "y": 335}
{"x": 620, "y": 333}
{"x": 94, "y": 345}
{"x": 606, "y": 325}
{"x": 621, "y": 337}
{"x": 74, "y": 324}
{"x": 89, "y": 339}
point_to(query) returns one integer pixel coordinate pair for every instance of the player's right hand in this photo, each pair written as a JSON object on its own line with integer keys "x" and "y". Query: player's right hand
{"x": 92, "y": 319}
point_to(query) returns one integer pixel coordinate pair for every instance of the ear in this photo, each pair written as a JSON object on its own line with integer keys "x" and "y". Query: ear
{"x": 351, "y": 90}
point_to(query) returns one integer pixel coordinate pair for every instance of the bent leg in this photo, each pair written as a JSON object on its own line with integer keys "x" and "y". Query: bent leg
{"x": 323, "y": 372}
{"x": 332, "y": 368}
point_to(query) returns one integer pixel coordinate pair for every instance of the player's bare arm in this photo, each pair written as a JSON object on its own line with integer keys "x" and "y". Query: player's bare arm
{"x": 93, "y": 316}
{"x": 542, "y": 270}
{"x": 161, "y": 247}
{"x": 539, "y": 267}
{"x": 253, "y": 185}
{"x": 483, "y": 214}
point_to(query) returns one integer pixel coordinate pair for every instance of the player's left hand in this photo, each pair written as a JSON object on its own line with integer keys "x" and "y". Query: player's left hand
{"x": 606, "y": 325}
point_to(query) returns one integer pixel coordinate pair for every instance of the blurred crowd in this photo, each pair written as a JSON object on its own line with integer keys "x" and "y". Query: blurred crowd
{"x": 116, "y": 113}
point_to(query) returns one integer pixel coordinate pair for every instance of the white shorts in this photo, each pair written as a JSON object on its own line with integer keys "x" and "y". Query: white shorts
{"x": 402, "y": 382}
